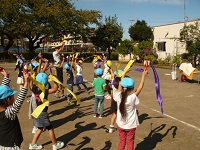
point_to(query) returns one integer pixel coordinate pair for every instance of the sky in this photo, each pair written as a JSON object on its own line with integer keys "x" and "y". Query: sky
{"x": 154, "y": 12}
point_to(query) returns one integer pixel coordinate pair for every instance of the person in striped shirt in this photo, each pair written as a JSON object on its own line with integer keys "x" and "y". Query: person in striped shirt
{"x": 10, "y": 130}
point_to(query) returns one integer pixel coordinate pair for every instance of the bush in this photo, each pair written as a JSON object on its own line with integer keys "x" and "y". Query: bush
{"x": 114, "y": 56}
{"x": 176, "y": 60}
{"x": 152, "y": 58}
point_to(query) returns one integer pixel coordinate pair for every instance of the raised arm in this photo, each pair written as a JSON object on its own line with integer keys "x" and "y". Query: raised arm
{"x": 46, "y": 65}
{"x": 39, "y": 65}
{"x": 139, "y": 89}
{"x": 54, "y": 89}
{"x": 61, "y": 48}
{"x": 6, "y": 80}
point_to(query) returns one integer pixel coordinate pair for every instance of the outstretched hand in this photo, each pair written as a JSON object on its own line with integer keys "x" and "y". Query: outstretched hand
{"x": 26, "y": 76}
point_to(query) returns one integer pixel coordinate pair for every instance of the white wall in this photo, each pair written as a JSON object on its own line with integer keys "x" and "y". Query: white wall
{"x": 170, "y": 33}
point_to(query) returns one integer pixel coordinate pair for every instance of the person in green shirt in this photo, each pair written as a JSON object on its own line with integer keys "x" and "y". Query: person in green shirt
{"x": 99, "y": 85}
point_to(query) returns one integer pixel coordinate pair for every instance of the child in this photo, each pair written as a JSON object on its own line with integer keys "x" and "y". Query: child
{"x": 127, "y": 119}
{"x": 99, "y": 85}
{"x": 59, "y": 73}
{"x": 56, "y": 54}
{"x": 115, "y": 84}
{"x": 20, "y": 67}
{"x": 79, "y": 76}
{"x": 107, "y": 76}
{"x": 70, "y": 81}
{"x": 10, "y": 130}
{"x": 43, "y": 122}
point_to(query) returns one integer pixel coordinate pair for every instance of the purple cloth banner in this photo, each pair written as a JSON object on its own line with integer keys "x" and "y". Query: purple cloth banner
{"x": 157, "y": 85}
{"x": 138, "y": 69}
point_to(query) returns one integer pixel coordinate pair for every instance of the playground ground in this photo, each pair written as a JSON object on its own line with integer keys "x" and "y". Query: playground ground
{"x": 177, "y": 129}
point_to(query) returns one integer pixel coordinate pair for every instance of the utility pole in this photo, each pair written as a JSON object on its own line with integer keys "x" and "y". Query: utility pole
{"x": 185, "y": 17}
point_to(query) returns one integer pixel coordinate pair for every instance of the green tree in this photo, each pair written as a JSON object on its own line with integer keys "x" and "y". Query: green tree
{"x": 141, "y": 32}
{"x": 8, "y": 22}
{"x": 190, "y": 34}
{"x": 125, "y": 47}
{"x": 144, "y": 48}
{"x": 108, "y": 35}
{"x": 36, "y": 20}
{"x": 194, "y": 51}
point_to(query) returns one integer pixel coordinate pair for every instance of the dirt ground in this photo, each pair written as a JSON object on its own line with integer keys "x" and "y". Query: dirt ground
{"x": 177, "y": 129}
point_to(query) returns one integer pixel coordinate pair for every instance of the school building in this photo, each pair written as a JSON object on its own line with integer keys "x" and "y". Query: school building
{"x": 166, "y": 39}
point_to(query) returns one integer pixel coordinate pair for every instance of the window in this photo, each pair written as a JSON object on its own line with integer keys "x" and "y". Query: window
{"x": 161, "y": 46}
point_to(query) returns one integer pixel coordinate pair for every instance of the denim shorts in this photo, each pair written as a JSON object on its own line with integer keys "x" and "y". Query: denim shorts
{"x": 42, "y": 121}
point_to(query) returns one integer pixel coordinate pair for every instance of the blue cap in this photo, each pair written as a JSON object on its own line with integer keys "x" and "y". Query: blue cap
{"x": 127, "y": 83}
{"x": 67, "y": 66}
{"x": 99, "y": 72}
{"x": 34, "y": 65}
{"x": 119, "y": 71}
{"x": 42, "y": 78}
{"x": 6, "y": 91}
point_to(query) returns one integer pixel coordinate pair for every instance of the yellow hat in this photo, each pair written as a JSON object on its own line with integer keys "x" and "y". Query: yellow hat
{"x": 80, "y": 61}
{"x": 109, "y": 63}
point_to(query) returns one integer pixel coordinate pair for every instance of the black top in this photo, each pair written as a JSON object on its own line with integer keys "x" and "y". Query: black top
{"x": 10, "y": 130}
{"x": 70, "y": 77}
{"x": 37, "y": 93}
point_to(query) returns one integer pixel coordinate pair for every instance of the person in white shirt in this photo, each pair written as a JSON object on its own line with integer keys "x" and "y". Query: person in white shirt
{"x": 107, "y": 76}
{"x": 58, "y": 63}
{"x": 79, "y": 76}
{"x": 127, "y": 119}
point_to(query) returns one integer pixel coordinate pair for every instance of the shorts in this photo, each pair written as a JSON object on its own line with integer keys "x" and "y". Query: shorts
{"x": 42, "y": 121}
{"x": 59, "y": 72}
{"x": 20, "y": 80}
{"x": 113, "y": 106}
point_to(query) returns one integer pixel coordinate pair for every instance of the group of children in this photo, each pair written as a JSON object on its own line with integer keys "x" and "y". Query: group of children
{"x": 33, "y": 75}
{"x": 124, "y": 99}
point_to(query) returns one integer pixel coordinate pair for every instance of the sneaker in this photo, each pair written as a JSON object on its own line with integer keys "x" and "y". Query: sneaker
{"x": 34, "y": 129}
{"x": 111, "y": 130}
{"x": 35, "y": 146}
{"x": 95, "y": 115}
{"x": 101, "y": 116}
{"x": 56, "y": 95}
{"x": 58, "y": 145}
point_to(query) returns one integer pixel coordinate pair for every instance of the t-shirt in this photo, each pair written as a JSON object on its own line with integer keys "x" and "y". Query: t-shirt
{"x": 79, "y": 70}
{"x": 98, "y": 84}
{"x": 131, "y": 120}
{"x": 56, "y": 56}
{"x": 70, "y": 77}
{"x": 106, "y": 74}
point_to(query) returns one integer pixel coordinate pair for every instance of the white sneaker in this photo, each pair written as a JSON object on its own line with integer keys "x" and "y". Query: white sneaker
{"x": 34, "y": 129}
{"x": 58, "y": 145}
{"x": 35, "y": 146}
{"x": 111, "y": 130}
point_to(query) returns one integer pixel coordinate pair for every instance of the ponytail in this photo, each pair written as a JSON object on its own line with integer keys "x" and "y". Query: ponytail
{"x": 122, "y": 106}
